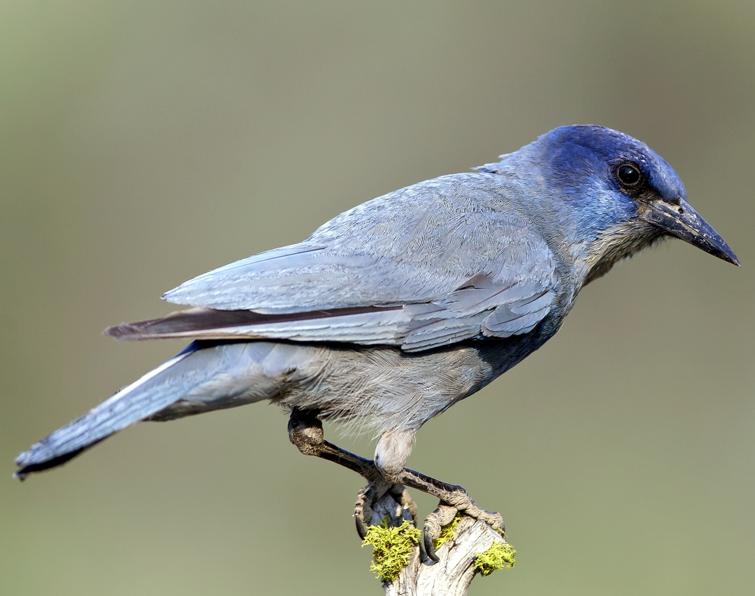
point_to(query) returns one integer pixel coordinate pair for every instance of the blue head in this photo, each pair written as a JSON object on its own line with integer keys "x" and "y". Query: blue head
{"x": 612, "y": 193}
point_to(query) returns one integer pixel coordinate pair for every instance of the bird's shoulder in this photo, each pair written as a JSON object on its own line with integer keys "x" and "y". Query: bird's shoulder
{"x": 464, "y": 219}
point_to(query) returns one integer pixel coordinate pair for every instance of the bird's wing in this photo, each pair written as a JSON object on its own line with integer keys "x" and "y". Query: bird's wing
{"x": 427, "y": 266}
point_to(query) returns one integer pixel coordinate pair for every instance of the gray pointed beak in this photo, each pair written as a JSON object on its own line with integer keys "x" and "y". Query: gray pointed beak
{"x": 681, "y": 220}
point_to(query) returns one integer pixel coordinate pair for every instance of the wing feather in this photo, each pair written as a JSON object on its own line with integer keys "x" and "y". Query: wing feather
{"x": 430, "y": 265}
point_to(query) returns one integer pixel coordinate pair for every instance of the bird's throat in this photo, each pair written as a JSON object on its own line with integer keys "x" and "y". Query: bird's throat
{"x": 614, "y": 244}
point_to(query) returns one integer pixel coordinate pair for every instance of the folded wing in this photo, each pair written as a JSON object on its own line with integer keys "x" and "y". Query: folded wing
{"x": 428, "y": 266}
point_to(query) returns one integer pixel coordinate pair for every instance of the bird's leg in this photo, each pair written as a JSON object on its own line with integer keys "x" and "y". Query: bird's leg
{"x": 392, "y": 451}
{"x": 306, "y": 433}
{"x": 453, "y": 499}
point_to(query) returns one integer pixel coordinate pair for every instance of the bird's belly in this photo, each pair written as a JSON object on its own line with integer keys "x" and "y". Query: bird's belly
{"x": 385, "y": 388}
{"x": 367, "y": 388}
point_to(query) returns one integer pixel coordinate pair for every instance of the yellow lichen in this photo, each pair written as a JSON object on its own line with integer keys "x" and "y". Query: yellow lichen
{"x": 498, "y": 556}
{"x": 447, "y": 532}
{"x": 392, "y": 546}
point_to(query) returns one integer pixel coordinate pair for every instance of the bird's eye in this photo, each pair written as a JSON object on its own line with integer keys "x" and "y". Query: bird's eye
{"x": 629, "y": 175}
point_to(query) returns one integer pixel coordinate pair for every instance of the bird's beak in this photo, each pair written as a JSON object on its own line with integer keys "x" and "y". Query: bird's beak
{"x": 681, "y": 220}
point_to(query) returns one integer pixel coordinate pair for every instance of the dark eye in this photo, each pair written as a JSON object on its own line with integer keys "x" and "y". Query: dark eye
{"x": 628, "y": 174}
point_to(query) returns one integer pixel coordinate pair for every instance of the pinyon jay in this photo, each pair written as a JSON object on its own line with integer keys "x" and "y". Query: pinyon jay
{"x": 395, "y": 310}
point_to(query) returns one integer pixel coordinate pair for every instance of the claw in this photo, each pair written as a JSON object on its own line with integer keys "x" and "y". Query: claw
{"x": 428, "y": 547}
{"x": 495, "y": 521}
{"x": 361, "y": 527}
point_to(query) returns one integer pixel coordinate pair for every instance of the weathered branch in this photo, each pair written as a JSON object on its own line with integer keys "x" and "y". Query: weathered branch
{"x": 467, "y": 547}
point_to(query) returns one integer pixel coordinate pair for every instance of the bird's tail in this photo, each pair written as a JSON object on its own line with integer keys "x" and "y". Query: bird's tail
{"x": 197, "y": 374}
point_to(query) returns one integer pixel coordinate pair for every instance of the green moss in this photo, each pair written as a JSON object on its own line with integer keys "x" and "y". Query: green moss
{"x": 498, "y": 556}
{"x": 392, "y": 547}
{"x": 447, "y": 532}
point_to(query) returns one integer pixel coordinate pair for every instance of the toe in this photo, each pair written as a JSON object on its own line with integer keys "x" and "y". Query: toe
{"x": 434, "y": 523}
{"x": 402, "y": 497}
{"x": 363, "y": 509}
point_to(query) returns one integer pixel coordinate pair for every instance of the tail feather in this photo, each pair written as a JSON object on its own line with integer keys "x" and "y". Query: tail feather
{"x": 205, "y": 376}
{"x": 153, "y": 392}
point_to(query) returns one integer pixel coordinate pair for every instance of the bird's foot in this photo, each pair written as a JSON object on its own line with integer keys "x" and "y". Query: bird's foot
{"x": 383, "y": 497}
{"x": 456, "y": 501}
{"x": 380, "y": 500}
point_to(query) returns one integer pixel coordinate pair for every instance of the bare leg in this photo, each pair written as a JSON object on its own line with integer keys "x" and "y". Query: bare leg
{"x": 306, "y": 433}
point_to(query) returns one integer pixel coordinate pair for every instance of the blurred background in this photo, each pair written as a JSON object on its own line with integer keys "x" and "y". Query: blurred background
{"x": 146, "y": 142}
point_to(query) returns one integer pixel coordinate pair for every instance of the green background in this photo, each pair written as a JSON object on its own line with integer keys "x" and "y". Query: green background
{"x": 142, "y": 143}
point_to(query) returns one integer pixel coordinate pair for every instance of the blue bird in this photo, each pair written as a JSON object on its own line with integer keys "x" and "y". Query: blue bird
{"x": 398, "y": 308}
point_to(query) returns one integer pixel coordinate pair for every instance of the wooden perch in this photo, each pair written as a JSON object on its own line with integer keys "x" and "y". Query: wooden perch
{"x": 466, "y": 548}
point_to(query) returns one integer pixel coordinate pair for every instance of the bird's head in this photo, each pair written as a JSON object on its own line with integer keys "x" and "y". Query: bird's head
{"x": 617, "y": 195}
